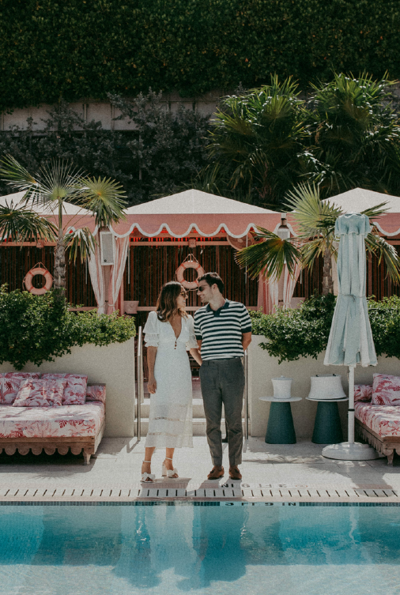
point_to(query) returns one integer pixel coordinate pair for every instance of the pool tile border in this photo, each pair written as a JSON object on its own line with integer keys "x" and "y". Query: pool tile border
{"x": 194, "y": 503}
{"x": 211, "y": 494}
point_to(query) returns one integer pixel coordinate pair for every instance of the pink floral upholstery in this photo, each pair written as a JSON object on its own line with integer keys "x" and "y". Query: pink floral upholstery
{"x": 40, "y": 393}
{"x": 386, "y": 390}
{"x": 49, "y": 422}
{"x": 75, "y": 391}
{"x": 381, "y": 419}
{"x": 96, "y": 392}
{"x": 362, "y": 392}
{"x": 10, "y": 383}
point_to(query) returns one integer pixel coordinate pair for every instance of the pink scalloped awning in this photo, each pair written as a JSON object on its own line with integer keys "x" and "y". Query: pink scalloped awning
{"x": 197, "y": 212}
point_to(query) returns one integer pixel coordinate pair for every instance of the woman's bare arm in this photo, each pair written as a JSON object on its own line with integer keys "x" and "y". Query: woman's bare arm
{"x": 151, "y": 360}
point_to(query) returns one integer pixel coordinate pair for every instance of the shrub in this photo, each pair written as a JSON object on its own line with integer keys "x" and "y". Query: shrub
{"x": 304, "y": 332}
{"x": 297, "y": 333}
{"x": 78, "y": 50}
{"x": 385, "y": 323}
{"x": 40, "y": 328}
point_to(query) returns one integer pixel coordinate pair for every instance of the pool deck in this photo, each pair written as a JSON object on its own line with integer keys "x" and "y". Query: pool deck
{"x": 271, "y": 473}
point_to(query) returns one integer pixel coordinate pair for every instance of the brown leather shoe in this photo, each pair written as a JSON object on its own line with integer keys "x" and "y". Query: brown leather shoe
{"x": 216, "y": 472}
{"x": 234, "y": 472}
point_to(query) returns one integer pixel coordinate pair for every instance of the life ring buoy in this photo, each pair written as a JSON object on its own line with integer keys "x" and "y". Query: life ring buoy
{"x": 189, "y": 264}
{"x": 38, "y": 271}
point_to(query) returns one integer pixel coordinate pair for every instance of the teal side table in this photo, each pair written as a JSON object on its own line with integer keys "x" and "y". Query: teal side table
{"x": 280, "y": 429}
{"x": 327, "y": 426}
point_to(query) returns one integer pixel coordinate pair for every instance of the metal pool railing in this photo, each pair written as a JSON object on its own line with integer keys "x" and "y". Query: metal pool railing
{"x": 246, "y": 399}
{"x": 140, "y": 384}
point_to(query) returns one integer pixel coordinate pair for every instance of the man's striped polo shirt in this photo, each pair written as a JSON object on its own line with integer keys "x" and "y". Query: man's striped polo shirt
{"x": 221, "y": 330}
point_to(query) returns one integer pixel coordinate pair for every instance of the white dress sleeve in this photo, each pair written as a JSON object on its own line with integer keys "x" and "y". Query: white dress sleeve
{"x": 192, "y": 342}
{"x": 152, "y": 330}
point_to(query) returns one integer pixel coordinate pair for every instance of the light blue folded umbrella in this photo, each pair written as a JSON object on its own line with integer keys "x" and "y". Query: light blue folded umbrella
{"x": 350, "y": 338}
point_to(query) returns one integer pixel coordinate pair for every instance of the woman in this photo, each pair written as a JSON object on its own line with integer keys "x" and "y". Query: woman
{"x": 169, "y": 334}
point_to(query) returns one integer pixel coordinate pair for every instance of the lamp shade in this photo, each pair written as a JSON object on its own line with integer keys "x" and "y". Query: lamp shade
{"x": 282, "y": 387}
{"x": 326, "y": 386}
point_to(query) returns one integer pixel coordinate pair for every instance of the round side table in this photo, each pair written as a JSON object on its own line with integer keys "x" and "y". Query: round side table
{"x": 327, "y": 426}
{"x": 280, "y": 429}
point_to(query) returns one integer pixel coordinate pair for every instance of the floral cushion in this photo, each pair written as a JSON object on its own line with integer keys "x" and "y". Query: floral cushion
{"x": 40, "y": 393}
{"x": 386, "y": 390}
{"x": 96, "y": 392}
{"x": 75, "y": 391}
{"x": 48, "y": 422}
{"x": 362, "y": 392}
{"x": 10, "y": 383}
{"x": 381, "y": 419}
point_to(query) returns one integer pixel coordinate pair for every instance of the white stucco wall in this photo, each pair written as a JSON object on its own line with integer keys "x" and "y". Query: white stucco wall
{"x": 113, "y": 365}
{"x": 263, "y": 367}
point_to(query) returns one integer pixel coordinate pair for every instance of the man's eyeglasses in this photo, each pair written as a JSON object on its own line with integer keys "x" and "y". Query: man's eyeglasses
{"x": 201, "y": 287}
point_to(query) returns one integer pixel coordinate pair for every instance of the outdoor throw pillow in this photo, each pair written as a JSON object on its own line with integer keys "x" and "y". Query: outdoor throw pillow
{"x": 10, "y": 383}
{"x": 362, "y": 392}
{"x": 75, "y": 390}
{"x": 386, "y": 390}
{"x": 96, "y": 392}
{"x": 40, "y": 393}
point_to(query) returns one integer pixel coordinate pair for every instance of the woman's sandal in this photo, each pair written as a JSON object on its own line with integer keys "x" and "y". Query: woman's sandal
{"x": 148, "y": 477}
{"x": 171, "y": 473}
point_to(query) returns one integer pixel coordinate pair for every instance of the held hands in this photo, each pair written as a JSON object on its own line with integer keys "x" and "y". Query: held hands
{"x": 152, "y": 385}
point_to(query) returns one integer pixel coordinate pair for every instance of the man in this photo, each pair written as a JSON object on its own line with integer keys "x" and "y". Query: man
{"x": 223, "y": 331}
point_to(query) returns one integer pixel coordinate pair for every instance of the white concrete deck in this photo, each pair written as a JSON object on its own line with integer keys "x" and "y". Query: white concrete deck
{"x": 270, "y": 473}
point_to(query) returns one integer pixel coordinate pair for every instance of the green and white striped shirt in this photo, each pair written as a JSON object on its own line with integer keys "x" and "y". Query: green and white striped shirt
{"x": 221, "y": 330}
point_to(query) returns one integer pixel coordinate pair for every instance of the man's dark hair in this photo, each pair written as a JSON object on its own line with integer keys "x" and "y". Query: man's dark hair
{"x": 211, "y": 279}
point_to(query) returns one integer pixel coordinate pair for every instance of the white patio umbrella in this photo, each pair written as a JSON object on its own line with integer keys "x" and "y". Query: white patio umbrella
{"x": 350, "y": 339}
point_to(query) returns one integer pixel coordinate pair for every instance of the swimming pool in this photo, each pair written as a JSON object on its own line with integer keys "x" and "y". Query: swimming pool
{"x": 224, "y": 547}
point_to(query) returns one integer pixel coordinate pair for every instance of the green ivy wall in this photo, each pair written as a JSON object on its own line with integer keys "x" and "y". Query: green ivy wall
{"x": 85, "y": 48}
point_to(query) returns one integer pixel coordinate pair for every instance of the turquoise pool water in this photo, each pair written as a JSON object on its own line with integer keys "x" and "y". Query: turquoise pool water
{"x": 227, "y": 548}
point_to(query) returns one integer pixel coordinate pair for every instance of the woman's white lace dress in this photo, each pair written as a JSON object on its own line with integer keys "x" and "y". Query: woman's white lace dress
{"x": 170, "y": 419}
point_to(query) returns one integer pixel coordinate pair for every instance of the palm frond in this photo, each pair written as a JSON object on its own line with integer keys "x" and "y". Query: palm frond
{"x": 54, "y": 183}
{"x": 383, "y": 250}
{"x": 269, "y": 255}
{"x": 22, "y": 225}
{"x": 312, "y": 250}
{"x": 79, "y": 242}
{"x": 15, "y": 175}
{"x": 312, "y": 215}
{"x": 376, "y": 211}
{"x": 59, "y": 181}
{"x": 104, "y": 198}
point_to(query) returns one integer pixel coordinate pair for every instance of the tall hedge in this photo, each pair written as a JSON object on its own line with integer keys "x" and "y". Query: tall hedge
{"x": 85, "y": 48}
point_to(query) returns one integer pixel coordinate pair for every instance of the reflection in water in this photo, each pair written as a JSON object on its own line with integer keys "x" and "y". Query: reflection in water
{"x": 205, "y": 549}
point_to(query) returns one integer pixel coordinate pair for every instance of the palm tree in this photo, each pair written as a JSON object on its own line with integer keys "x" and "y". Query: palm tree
{"x": 52, "y": 187}
{"x": 315, "y": 223}
{"x": 254, "y": 144}
{"x": 355, "y": 136}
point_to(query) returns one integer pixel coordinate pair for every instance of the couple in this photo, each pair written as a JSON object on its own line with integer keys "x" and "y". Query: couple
{"x": 217, "y": 339}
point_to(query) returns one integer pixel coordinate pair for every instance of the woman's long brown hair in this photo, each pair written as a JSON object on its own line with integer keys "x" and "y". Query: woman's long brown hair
{"x": 167, "y": 306}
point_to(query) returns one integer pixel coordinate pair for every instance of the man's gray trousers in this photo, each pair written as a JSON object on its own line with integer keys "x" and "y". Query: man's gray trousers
{"x": 222, "y": 381}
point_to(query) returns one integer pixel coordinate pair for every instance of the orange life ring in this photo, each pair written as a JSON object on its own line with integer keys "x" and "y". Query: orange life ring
{"x": 38, "y": 271}
{"x": 189, "y": 264}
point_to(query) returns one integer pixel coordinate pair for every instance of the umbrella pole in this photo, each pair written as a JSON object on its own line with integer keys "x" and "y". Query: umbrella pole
{"x": 350, "y": 420}
{"x": 350, "y": 450}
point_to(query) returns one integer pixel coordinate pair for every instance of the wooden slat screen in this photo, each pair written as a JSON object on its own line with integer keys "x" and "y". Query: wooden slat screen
{"x": 15, "y": 262}
{"x": 152, "y": 266}
{"x": 378, "y": 284}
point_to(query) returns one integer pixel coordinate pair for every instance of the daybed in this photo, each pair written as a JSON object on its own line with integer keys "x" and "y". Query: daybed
{"x": 377, "y": 412}
{"x": 78, "y": 427}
